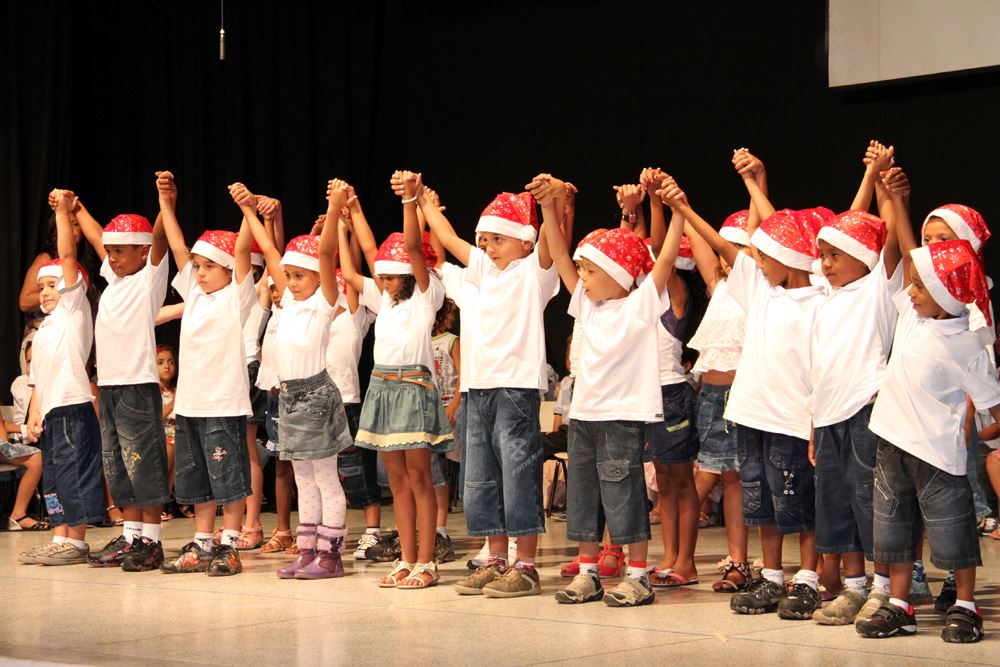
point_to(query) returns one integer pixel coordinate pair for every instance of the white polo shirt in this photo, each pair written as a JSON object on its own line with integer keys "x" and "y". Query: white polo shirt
{"x": 852, "y": 336}
{"x": 60, "y": 351}
{"x": 921, "y": 407}
{"x": 267, "y": 375}
{"x": 466, "y": 297}
{"x": 212, "y": 378}
{"x": 403, "y": 330}
{"x": 251, "y": 332}
{"x": 615, "y": 380}
{"x": 343, "y": 352}
{"x": 125, "y": 325}
{"x": 509, "y": 334}
{"x": 772, "y": 386}
{"x": 302, "y": 337}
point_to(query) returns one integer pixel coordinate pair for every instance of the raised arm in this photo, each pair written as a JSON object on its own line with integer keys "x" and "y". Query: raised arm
{"x": 544, "y": 189}
{"x": 64, "y": 237}
{"x": 650, "y": 179}
{"x": 673, "y": 196}
{"x": 347, "y": 268}
{"x": 569, "y": 213}
{"x": 247, "y": 202}
{"x": 439, "y": 225}
{"x": 704, "y": 258}
{"x": 361, "y": 230}
{"x": 877, "y": 159}
{"x": 169, "y": 313}
{"x": 898, "y": 186}
{"x": 667, "y": 256}
{"x": 166, "y": 189}
{"x": 89, "y": 227}
{"x": 629, "y": 197}
{"x": 891, "y": 255}
{"x": 241, "y": 266}
{"x": 439, "y": 248}
{"x": 412, "y": 235}
{"x": 336, "y": 197}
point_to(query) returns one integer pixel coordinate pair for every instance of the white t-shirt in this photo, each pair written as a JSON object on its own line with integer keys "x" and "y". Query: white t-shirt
{"x": 60, "y": 351}
{"x": 668, "y": 352}
{"x": 125, "y": 325}
{"x": 251, "y": 332}
{"x": 852, "y": 336}
{"x": 509, "y": 331}
{"x": 267, "y": 374}
{"x": 466, "y": 297}
{"x": 212, "y": 378}
{"x": 921, "y": 407}
{"x": 303, "y": 334}
{"x": 773, "y": 385}
{"x": 20, "y": 391}
{"x": 343, "y": 352}
{"x": 719, "y": 338}
{"x": 403, "y": 330}
{"x": 615, "y": 380}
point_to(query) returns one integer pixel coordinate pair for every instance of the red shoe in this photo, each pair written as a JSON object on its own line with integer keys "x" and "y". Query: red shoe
{"x": 606, "y": 571}
{"x": 571, "y": 569}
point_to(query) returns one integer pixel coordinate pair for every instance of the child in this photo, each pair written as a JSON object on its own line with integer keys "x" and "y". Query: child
{"x": 313, "y": 426}
{"x": 166, "y": 369}
{"x": 447, "y": 349}
{"x": 13, "y": 450}
{"x": 921, "y": 461}
{"x": 61, "y": 413}
{"x": 503, "y": 448}
{"x": 212, "y": 402}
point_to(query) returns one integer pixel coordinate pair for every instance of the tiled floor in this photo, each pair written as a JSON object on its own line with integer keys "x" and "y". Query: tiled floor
{"x": 80, "y": 615}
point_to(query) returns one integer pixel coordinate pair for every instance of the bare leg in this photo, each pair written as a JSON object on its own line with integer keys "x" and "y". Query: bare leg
{"x": 256, "y": 481}
{"x": 403, "y": 503}
{"x": 26, "y": 487}
{"x": 284, "y": 482}
{"x": 373, "y": 516}
{"x": 442, "y": 493}
{"x": 771, "y": 542}
{"x": 418, "y": 468}
{"x": 807, "y": 551}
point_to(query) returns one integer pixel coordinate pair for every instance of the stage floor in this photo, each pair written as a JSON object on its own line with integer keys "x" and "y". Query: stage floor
{"x": 79, "y": 615}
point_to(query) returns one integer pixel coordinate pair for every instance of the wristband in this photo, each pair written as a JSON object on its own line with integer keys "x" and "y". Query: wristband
{"x": 410, "y": 200}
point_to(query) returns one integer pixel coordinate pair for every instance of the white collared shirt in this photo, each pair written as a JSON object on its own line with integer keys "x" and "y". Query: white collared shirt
{"x": 466, "y": 297}
{"x": 403, "y": 330}
{"x": 343, "y": 352}
{"x": 60, "y": 351}
{"x": 303, "y": 333}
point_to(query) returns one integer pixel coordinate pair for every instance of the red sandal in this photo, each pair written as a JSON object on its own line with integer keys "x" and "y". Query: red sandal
{"x": 606, "y": 571}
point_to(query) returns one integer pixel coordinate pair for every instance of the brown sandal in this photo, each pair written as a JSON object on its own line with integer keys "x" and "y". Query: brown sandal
{"x": 727, "y": 585}
{"x": 250, "y": 539}
{"x": 280, "y": 541}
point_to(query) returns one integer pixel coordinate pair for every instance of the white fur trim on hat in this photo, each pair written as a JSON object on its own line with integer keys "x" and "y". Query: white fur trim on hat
{"x": 925, "y": 268}
{"x": 50, "y": 271}
{"x": 850, "y": 245}
{"x": 775, "y": 250}
{"x": 257, "y": 259}
{"x": 127, "y": 238}
{"x": 384, "y": 267}
{"x": 957, "y": 224}
{"x": 494, "y": 225}
{"x": 684, "y": 263}
{"x": 735, "y": 235}
{"x": 209, "y": 251}
{"x": 610, "y": 266}
{"x": 301, "y": 260}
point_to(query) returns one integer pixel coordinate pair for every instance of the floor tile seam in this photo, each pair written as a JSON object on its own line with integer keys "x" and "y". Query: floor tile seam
{"x": 645, "y": 647}
{"x": 858, "y": 651}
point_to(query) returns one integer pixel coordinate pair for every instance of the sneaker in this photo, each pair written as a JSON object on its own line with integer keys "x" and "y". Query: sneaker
{"x": 143, "y": 557}
{"x": 986, "y": 525}
{"x": 64, "y": 554}
{"x": 365, "y": 541}
{"x": 514, "y": 583}
{"x": 631, "y": 592}
{"x": 963, "y": 626}
{"x": 191, "y": 559}
{"x": 30, "y": 557}
{"x": 480, "y": 559}
{"x": 760, "y": 597}
{"x": 386, "y": 549}
{"x": 583, "y": 588}
{"x": 443, "y": 553}
{"x": 842, "y": 611}
{"x": 225, "y": 562}
{"x": 949, "y": 593}
{"x": 918, "y": 583}
{"x": 113, "y": 553}
{"x": 474, "y": 583}
{"x": 799, "y": 603}
{"x": 888, "y": 621}
{"x": 875, "y": 600}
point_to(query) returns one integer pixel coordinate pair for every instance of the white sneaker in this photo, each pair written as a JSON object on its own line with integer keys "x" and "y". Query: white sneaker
{"x": 481, "y": 558}
{"x": 365, "y": 541}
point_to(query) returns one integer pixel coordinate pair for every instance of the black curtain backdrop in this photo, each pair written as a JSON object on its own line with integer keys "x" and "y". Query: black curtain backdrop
{"x": 479, "y": 97}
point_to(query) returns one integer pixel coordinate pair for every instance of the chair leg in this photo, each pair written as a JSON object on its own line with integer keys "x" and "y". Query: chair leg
{"x": 552, "y": 489}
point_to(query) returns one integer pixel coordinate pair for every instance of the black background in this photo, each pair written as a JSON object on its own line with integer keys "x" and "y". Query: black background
{"x": 96, "y": 96}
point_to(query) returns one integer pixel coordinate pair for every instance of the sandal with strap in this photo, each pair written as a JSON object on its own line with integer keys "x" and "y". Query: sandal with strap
{"x": 294, "y": 548}
{"x": 395, "y": 575}
{"x": 15, "y": 524}
{"x": 120, "y": 521}
{"x": 669, "y": 579}
{"x": 250, "y": 539}
{"x": 727, "y": 567}
{"x": 430, "y": 569}
{"x": 606, "y": 571}
{"x": 279, "y": 541}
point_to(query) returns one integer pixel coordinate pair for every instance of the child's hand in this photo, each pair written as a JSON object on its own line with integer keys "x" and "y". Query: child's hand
{"x": 65, "y": 200}
{"x": 54, "y": 201}
{"x": 747, "y": 165}
{"x": 243, "y": 197}
{"x": 671, "y": 194}
{"x": 269, "y": 207}
{"x": 166, "y": 188}
{"x": 896, "y": 183}
{"x": 412, "y": 184}
{"x": 317, "y": 227}
{"x": 336, "y": 195}
{"x": 545, "y": 187}
{"x": 34, "y": 426}
{"x": 396, "y": 183}
{"x": 878, "y": 158}
{"x": 650, "y": 178}
{"x": 434, "y": 197}
{"x": 352, "y": 199}
{"x": 629, "y": 197}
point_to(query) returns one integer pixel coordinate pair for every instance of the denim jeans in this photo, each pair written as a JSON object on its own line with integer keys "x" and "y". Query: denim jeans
{"x": 212, "y": 460}
{"x": 133, "y": 444}
{"x": 972, "y": 474}
{"x": 71, "y": 466}
{"x": 777, "y": 480}
{"x": 675, "y": 439}
{"x": 358, "y": 467}
{"x": 716, "y": 436}
{"x": 461, "y": 424}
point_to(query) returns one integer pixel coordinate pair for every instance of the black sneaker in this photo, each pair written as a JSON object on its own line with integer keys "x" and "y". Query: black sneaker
{"x": 386, "y": 549}
{"x": 192, "y": 558}
{"x": 760, "y": 597}
{"x": 225, "y": 561}
{"x": 114, "y": 552}
{"x": 888, "y": 621}
{"x": 949, "y": 593}
{"x": 443, "y": 553}
{"x": 963, "y": 626}
{"x": 143, "y": 557}
{"x": 799, "y": 603}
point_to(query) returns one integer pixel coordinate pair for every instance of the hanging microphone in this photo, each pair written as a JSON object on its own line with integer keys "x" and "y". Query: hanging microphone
{"x": 222, "y": 43}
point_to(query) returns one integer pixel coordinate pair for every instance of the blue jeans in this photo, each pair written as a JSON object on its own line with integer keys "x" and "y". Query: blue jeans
{"x": 461, "y": 424}
{"x": 675, "y": 439}
{"x": 71, "y": 466}
{"x": 133, "y": 444}
{"x": 503, "y": 456}
{"x": 972, "y": 473}
{"x": 717, "y": 437}
{"x": 212, "y": 460}
{"x": 358, "y": 467}
{"x": 777, "y": 480}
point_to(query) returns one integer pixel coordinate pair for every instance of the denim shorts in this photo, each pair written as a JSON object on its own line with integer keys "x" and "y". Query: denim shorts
{"x": 258, "y": 397}
{"x": 358, "y": 468}
{"x": 845, "y": 475}
{"x": 312, "y": 424}
{"x": 910, "y": 493}
{"x": 777, "y": 480}
{"x": 461, "y": 424}
{"x": 503, "y": 463}
{"x": 605, "y": 482}
{"x": 72, "y": 482}
{"x": 133, "y": 444}
{"x": 211, "y": 460}
{"x": 716, "y": 436}
{"x": 271, "y": 424}
{"x": 675, "y": 439}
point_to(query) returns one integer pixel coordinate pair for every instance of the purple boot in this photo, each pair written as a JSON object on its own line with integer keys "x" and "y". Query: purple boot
{"x": 327, "y": 563}
{"x": 306, "y": 539}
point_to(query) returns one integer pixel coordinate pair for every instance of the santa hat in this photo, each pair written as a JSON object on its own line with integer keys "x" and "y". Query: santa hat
{"x": 303, "y": 252}
{"x": 620, "y": 253}
{"x": 734, "y": 229}
{"x": 510, "y": 215}
{"x": 217, "y": 245}
{"x": 788, "y": 237}
{"x": 858, "y": 233}
{"x": 54, "y": 269}
{"x": 341, "y": 283}
{"x": 685, "y": 258}
{"x": 964, "y": 221}
{"x": 587, "y": 239}
{"x": 256, "y": 254}
{"x": 128, "y": 229}
{"x": 952, "y": 273}
{"x": 393, "y": 258}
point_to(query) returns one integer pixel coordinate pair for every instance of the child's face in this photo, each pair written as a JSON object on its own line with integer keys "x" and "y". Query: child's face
{"x": 937, "y": 230}
{"x": 211, "y": 277}
{"x": 166, "y": 366}
{"x": 505, "y": 249}
{"x": 599, "y": 285}
{"x": 48, "y": 295}
{"x": 275, "y": 296}
{"x": 27, "y": 360}
{"x": 922, "y": 301}
{"x": 77, "y": 232}
{"x": 774, "y": 271}
{"x": 302, "y": 283}
{"x": 393, "y": 284}
{"x": 726, "y": 268}
{"x": 840, "y": 268}
{"x": 126, "y": 259}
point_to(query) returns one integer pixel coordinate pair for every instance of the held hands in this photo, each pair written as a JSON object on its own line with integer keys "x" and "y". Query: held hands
{"x": 747, "y": 165}
{"x": 336, "y": 196}
{"x": 896, "y": 183}
{"x": 33, "y": 427}
{"x": 269, "y": 207}
{"x": 878, "y": 158}
{"x": 166, "y": 188}
{"x": 65, "y": 200}
{"x": 54, "y": 201}
{"x": 243, "y": 197}
{"x": 629, "y": 197}
{"x": 546, "y": 189}
{"x": 317, "y": 227}
{"x": 671, "y": 194}
{"x": 571, "y": 191}
{"x": 650, "y": 179}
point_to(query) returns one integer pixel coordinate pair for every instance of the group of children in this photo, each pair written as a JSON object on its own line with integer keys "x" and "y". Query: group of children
{"x": 838, "y": 362}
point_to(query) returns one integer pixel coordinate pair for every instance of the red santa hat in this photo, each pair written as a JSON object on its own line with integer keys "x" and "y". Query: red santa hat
{"x": 952, "y": 273}
{"x": 341, "y": 283}
{"x": 858, "y": 233}
{"x": 303, "y": 252}
{"x": 590, "y": 236}
{"x": 734, "y": 229}
{"x": 620, "y": 253}
{"x": 393, "y": 258}
{"x": 256, "y": 254}
{"x": 510, "y": 215}
{"x": 685, "y": 258}
{"x": 966, "y": 222}
{"x": 54, "y": 269}
{"x": 128, "y": 229}
{"x": 789, "y": 237}
{"x": 217, "y": 245}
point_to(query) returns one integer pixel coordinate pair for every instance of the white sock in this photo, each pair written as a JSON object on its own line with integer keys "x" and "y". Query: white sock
{"x": 777, "y": 576}
{"x": 79, "y": 544}
{"x": 807, "y": 577}
{"x": 857, "y": 584}
{"x": 204, "y": 540}
{"x": 373, "y": 531}
{"x": 967, "y": 604}
{"x": 132, "y": 530}
{"x": 58, "y": 539}
{"x": 588, "y": 568}
{"x": 229, "y": 537}
{"x": 442, "y": 531}
{"x": 635, "y": 572}
{"x": 902, "y": 604}
{"x": 151, "y": 532}
{"x": 880, "y": 584}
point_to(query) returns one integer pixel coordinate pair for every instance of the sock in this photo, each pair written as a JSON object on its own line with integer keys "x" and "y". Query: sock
{"x": 58, "y": 539}
{"x": 81, "y": 545}
{"x": 373, "y": 531}
{"x": 525, "y": 563}
{"x": 588, "y": 565}
{"x": 151, "y": 532}
{"x": 204, "y": 540}
{"x": 636, "y": 569}
{"x": 132, "y": 530}
{"x": 306, "y": 536}
{"x": 776, "y": 576}
{"x": 967, "y": 604}
{"x": 902, "y": 604}
{"x": 857, "y": 584}
{"x": 442, "y": 531}
{"x": 881, "y": 583}
{"x": 500, "y": 560}
{"x": 229, "y": 537}
{"x": 807, "y": 577}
